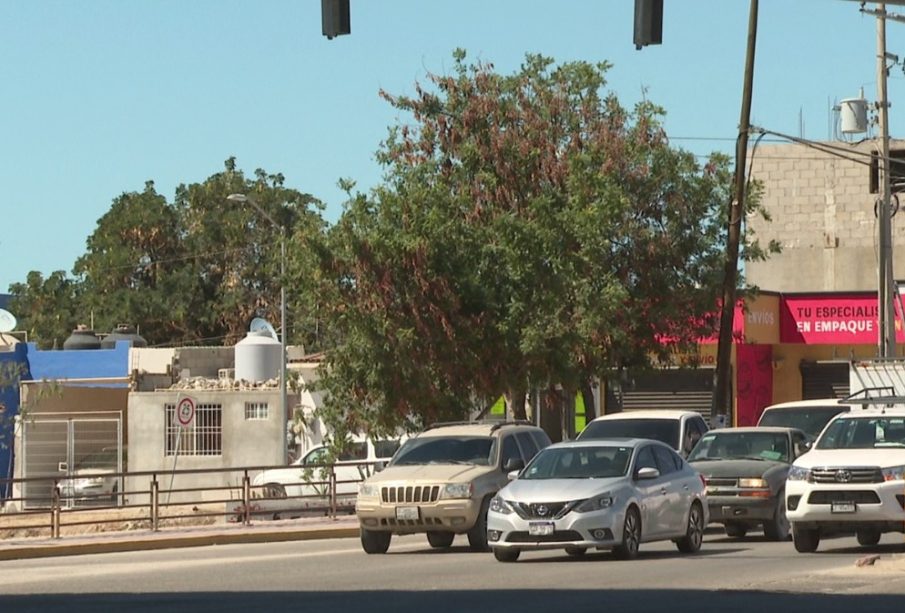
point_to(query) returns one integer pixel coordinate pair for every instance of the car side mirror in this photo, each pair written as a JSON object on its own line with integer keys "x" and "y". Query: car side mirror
{"x": 647, "y": 473}
{"x": 379, "y": 466}
{"x": 513, "y": 474}
{"x": 513, "y": 464}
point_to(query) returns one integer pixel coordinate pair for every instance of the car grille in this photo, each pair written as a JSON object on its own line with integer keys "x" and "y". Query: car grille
{"x": 410, "y": 493}
{"x": 843, "y": 474}
{"x": 563, "y": 536}
{"x": 859, "y": 496}
{"x": 543, "y": 510}
{"x": 721, "y": 482}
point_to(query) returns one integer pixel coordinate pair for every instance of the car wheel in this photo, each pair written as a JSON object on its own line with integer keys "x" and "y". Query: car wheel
{"x": 506, "y": 554}
{"x": 777, "y": 529}
{"x": 868, "y": 537}
{"x": 694, "y": 532}
{"x": 477, "y": 536}
{"x": 631, "y": 536}
{"x": 273, "y": 490}
{"x": 736, "y": 530}
{"x": 806, "y": 539}
{"x": 373, "y": 541}
{"x": 576, "y": 551}
{"x": 440, "y": 540}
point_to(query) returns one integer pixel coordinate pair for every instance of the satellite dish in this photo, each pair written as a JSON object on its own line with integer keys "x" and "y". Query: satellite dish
{"x": 259, "y": 324}
{"x": 7, "y": 321}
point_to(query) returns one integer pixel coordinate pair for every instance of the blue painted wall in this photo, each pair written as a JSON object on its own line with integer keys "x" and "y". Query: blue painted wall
{"x": 36, "y": 364}
{"x": 79, "y": 363}
{"x": 11, "y": 363}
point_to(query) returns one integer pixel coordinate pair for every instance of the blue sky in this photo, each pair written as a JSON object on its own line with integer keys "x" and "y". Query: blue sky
{"x": 100, "y": 96}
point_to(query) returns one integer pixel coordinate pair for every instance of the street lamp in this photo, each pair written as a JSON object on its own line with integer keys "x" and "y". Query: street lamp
{"x": 283, "y": 394}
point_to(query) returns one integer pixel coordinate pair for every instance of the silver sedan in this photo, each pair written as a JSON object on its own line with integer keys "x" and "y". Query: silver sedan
{"x": 602, "y": 494}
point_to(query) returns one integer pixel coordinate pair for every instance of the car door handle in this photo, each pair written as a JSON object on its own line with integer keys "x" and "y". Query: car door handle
{"x": 663, "y": 491}
{"x": 685, "y": 487}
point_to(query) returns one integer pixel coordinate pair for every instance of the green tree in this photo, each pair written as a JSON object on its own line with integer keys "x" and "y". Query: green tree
{"x": 47, "y": 309}
{"x": 531, "y": 233}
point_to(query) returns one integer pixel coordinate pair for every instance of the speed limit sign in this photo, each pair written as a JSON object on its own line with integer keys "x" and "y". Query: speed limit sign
{"x": 185, "y": 411}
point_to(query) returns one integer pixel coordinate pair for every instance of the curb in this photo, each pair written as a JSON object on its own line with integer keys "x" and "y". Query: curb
{"x": 172, "y": 542}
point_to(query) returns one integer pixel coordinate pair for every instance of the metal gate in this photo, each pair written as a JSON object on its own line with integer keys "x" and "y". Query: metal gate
{"x": 689, "y": 389}
{"x": 79, "y": 455}
{"x": 824, "y": 380}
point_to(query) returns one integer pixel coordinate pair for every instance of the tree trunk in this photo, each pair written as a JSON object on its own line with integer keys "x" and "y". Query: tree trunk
{"x": 587, "y": 395}
{"x": 515, "y": 400}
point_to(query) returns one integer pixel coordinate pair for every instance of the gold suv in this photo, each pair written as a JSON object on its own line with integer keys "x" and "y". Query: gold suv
{"x": 440, "y": 482}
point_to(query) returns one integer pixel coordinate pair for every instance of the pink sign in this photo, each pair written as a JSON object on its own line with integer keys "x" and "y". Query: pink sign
{"x": 836, "y": 319}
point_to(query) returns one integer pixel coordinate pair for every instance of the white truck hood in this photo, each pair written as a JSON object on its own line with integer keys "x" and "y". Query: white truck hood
{"x": 884, "y": 457}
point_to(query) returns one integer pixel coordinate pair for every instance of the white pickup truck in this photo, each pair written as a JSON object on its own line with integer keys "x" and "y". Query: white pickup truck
{"x": 851, "y": 481}
{"x": 304, "y": 485}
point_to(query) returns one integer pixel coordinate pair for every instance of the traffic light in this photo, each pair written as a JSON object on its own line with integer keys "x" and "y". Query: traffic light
{"x": 648, "y": 23}
{"x": 335, "y": 18}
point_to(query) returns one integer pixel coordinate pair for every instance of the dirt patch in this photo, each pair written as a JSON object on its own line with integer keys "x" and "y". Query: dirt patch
{"x": 74, "y": 522}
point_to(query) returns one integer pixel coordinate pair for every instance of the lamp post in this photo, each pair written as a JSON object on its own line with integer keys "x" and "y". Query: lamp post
{"x": 283, "y": 393}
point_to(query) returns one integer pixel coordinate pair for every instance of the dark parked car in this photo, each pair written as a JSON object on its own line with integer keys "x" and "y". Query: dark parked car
{"x": 745, "y": 471}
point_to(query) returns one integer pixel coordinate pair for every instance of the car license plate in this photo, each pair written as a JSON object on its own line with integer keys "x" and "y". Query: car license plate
{"x": 842, "y": 507}
{"x": 540, "y": 528}
{"x": 407, "y": 513}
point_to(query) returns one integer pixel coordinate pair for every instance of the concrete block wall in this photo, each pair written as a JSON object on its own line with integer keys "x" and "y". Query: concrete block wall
{"x": 204, "y": 361}
{"x": 823, "y": 216}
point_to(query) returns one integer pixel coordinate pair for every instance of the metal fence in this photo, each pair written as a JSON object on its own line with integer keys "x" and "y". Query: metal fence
{"x": 63, "y": 506}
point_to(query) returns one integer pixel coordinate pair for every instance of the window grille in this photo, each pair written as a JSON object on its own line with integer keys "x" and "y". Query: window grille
{"x": 257, "y": 410}
{"x": 203, "y": 438}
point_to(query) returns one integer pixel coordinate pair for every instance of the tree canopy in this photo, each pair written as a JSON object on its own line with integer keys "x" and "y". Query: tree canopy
{"x": 530, "y": 232}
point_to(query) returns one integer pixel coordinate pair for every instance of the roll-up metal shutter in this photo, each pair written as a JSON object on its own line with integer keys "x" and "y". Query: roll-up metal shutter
{"x": 824, "y": 380}
{"x": 687, "y": 389}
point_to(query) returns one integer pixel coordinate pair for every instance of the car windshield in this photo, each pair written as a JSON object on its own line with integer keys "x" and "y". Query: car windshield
{"x": 728, "y": 445}
{"x": 809, "y": 419}
{"x": 579, "y": 463}
{"x": 446, "y": 450}
{"x": 864, "y": 433}
{"x": 663, "y": 430}
{"x": 106, "y": 459}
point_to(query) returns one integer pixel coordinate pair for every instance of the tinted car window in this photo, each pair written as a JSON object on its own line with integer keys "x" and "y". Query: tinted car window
{"x": 663, "y": 430}
{"x": 540, "y": 437}
{"x": 385, "y": 449}
{"x": 579, "y": 463}
{"x": 354, "y": 452}
{"x": 510, "y": 451}
{"x": 864, "y": 433}
{"x": 666, "y": 460}
{"x": 808, "y": 419}
{"x": 529, "y": 447}
{"x": 645, "y": 459}
{"x": 316, "y": 456}
{"x": 446, "y": 450}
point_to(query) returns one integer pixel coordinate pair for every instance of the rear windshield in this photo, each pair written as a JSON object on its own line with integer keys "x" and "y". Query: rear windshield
{"x": 809, "y": 419}
{"x": 446, "y": 450}
{"x": 663, "y": 430}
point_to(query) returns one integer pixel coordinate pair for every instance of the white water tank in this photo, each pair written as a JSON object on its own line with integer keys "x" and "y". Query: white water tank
{"x": 853, "y": 115}
{"x": 258, "y": 357}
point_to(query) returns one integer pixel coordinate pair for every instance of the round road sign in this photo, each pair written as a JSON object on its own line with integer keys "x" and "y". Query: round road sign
{"x": 185, "y": 412}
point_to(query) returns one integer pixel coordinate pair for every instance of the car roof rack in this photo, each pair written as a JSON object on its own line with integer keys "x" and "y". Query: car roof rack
{"x": 864, "y": 396}
{"x": 495, "y": 425}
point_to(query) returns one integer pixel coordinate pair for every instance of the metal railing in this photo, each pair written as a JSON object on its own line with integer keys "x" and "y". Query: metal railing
{"x": 155, "y": 499}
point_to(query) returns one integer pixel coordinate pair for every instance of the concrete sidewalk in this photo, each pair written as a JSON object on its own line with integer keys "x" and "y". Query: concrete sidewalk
{"x": 310, "y": 528}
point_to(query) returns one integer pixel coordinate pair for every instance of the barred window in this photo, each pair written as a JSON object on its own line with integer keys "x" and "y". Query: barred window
{"x": 257, "y": 410}
{"x": 203, "y": 438}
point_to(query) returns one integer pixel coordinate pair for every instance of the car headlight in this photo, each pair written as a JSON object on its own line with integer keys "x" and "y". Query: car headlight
{"x": 498, "y": 505}
{"x": 604, "y": 501}
{"x": 759, "y": 483}
{"x": 457, "y": 490}
{"x": 366, "y": 490}
{"x": 797, "y": 473}
{"x": 894, "y": 473}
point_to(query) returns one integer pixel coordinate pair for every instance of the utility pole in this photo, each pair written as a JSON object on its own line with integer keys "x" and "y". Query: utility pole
{"x": 721, "y": 401}
{"x": 886, "y": 313}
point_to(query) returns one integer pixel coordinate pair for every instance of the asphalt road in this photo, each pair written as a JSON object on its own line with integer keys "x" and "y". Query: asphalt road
{"x": 334, "y": 575}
